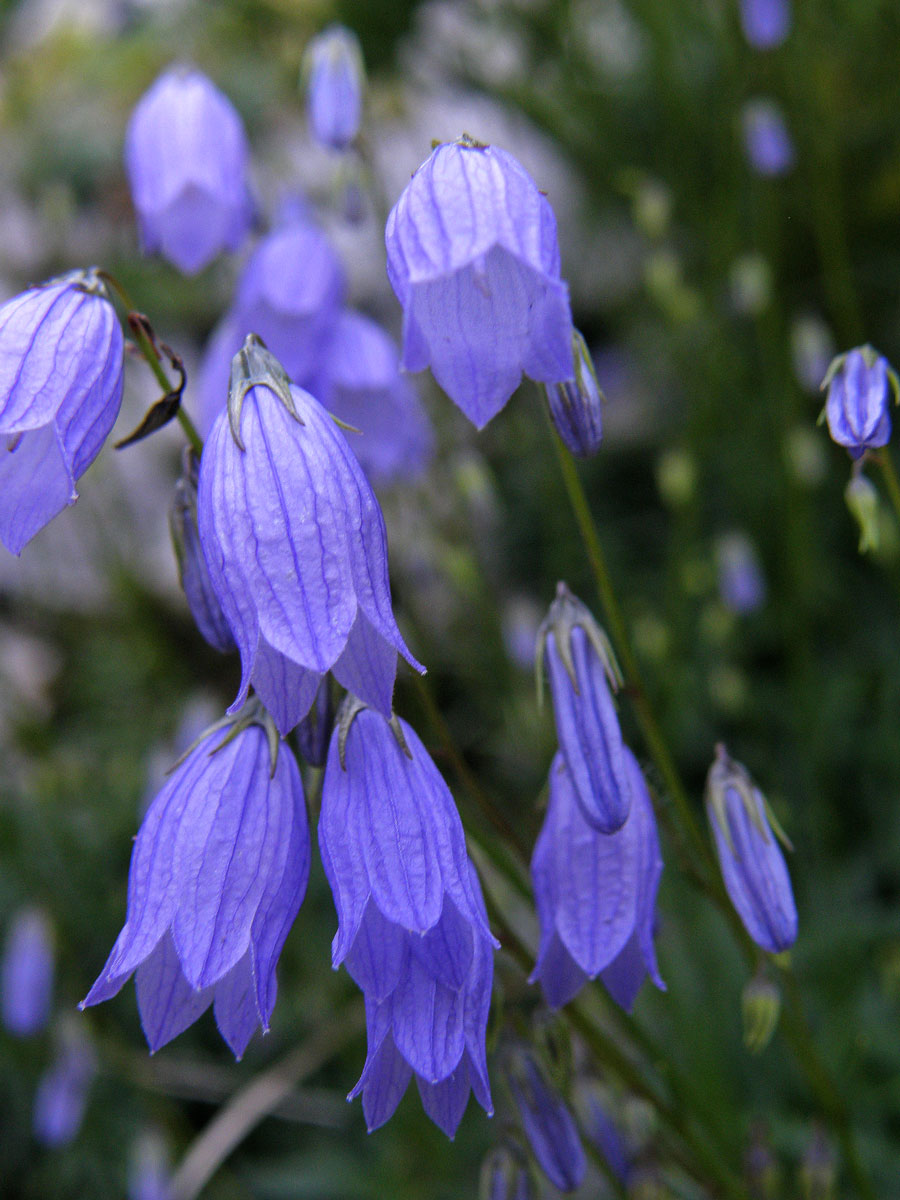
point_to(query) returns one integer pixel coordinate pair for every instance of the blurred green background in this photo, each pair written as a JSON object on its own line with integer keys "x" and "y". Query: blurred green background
{"x": 704, "y": 290}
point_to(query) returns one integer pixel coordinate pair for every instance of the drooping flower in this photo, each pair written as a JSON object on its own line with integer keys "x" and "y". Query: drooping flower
{"x": 595, "y": 894}
{"x": 581, "y": 666}
{"x": 742, "y": 586}
{"x": 61, "y": 355}
{"x": 26, "y": 975}
{"x": 548, "y": 1124}
{"x": 412, "y": 928}
{"x": 472, "y": 256}
{"x": 575, "y": 405}
{"x": 62, "y": 1091}
{"x": 335, "y": 78}
{"x": 186, "y": 156}
{"x": 767, "y": 142}
{"x": 860, "y": 387}
{"x": 290, "y": 294}
{"x": 296, "y": 548}
{"x": 361, "y": 383}
{"x": 753, "y": 867}
{"x": 766, "y": 23}
{"x": 218, "y": 874}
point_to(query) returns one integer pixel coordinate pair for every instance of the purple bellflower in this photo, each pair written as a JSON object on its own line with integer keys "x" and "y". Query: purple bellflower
{"x": 595, "y": 895}
{"x": 362, "y": 385}
{"x": 61, "y": 355}
{"x": 766, "y": 23}
{"x": 412, "y": 927}
{"x": 473, "y": 257}
{"x": 290, "y": 294}
{"x": 296, "y": 547}
{"x": 575, "y": 405}
{"x": 582, "y": 667}
{"x": 548, "y": 1124}
{"x": 186, "y": 156}
{"x": 505, "y": 1175}
{"x": 742, "y": 586}
{"x": 335, "y": 78}
{"x": 767, "y": 142}
{"x": 218, "y": 874}
{"x": 26, "y": 974}
{"x": 860, "y": 386}
{"x": 753, "y": 867}
{"x": 192, "y": 568}
{"x": 62, "y": 1091}
{"x": 314, "y": 731}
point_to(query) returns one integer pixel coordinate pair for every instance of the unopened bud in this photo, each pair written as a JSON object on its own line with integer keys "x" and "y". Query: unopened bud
{"x": 760, "y": 1007}
{"x": 818, "y": 1171}
{"x": 575, "y": 404}
{"x": 862, "y": 500}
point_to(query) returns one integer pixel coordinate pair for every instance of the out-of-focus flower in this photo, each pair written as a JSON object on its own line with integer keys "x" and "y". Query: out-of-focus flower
{"x": 296, "y": 546}
{"x": 760, "y": 1009}
{"x": 504, "y": 1176}
{"x": 860, "y": 386}
{"x": 149, "y": 1170}
{"x": 412, "y": 928}
{"x": 186, "y": 156}
{"x": 548, "y": 1124}
{"x": 61, "y": 355}
{"x": 335, "y": 79}
{"x": 362, "y": 385}
{"x": 812, "y": 347}
{"x": 575, "y": 405}
{"x": 581, "y": 666}
{"x": 753, "y": 867}
{"x": 62, "y": 1091}
{"x": 218, "y": 874}
{"x": 862, "y": 500}
{"x": 192, "y": 568}
{"x": 473, "y": 257}
{"x": 26, "y": 976}
{"x": 600, "y": 1129}
{"x": 766, "y": 23}
{"x": 767, "y": 142}
{"x": 741, "y": 583}
{"x": 595, "y": 894}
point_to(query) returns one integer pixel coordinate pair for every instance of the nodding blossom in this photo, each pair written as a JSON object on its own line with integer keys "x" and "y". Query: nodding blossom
{"x": 186, "y": 156}
{"x": 218, "y": 874}
{"x": 472, "y": 256}
{"x": 861, "y": 385}
{"x": 753, "y": 867}
{"x": 412, "y": 927}
{"x": 766, "y": 23}
{"x": 548, "y": 1124}
{"x": 26, "y": 973}
{"x": 335, "y": 78}
{"x": 296, "y": 547}
{"x": 61, "y": 362}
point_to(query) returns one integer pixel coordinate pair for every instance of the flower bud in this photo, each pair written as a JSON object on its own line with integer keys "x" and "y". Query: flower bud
{"x": 860, "y": 385}
{"x": 741, "y": 584}
{"x": 818, "y": 1171}
{"x": 62, "y": 1091}
{"x": 548, "y": 1124}
{"x": 766, "y": 140}
{"x": 504, "y": 1176}
{"x": 335, "y": 78}
{"x": 26, "y": 975}
{"x": 862, "y": 500}
{"x": 766, "y": 23}
{"x": 575, "y": 404}
{"x": 761, "y": 1008}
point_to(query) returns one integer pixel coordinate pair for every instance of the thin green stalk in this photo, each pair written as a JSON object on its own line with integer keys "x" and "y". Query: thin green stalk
{"x": 891, "y": 481}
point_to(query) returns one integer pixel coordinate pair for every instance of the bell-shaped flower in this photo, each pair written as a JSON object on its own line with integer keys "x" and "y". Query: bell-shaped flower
{"x": 361, "y": 383}
{"x": 753, "y": 867}
{"x": 548, "y": 1124}
{"x": 766, "y": 23}
{"x": 296, "y": 547}
{"x": 26, "y": 973}
{"x": 192, "y": 568}
{"x": 576, "y": 404}
{"x": 218, "y": 874}
{"x": 595, "y": 894}
{"x": 62, "y": 1091}
{"x": 335, "y": 78}
{"x": 767, "y": 142}
{"x": 473, "y": 257}
{"x": 186, "y": 156}
{"x": 861, "y": 385}
{"x": 412, "y": 928}
{"x": 61, "y": 355}
{"x": 290, "y": 294}
{"x": 582, "y": 666}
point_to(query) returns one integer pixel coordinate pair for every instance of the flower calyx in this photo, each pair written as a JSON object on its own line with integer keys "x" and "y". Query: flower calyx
{"x": 726, "y": 774}
{"x": 565, "y": 613}
{"x": 255, "y": 366}
{"x": 251, "y": 712}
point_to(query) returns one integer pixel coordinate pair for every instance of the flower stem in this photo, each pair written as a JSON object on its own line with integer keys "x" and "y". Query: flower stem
{"x": 891, "y": 481}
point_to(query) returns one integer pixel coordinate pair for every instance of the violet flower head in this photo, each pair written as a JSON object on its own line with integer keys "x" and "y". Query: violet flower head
{"x": 412, "y": 927}
{"x": 753, "y": 867}
{"x": 26, "y": 973}
{"x": 860, "y": 386}
{"x": 186, "y": 156}
{"x": 767, "y": 142}
{"x": 596, "y": 895}
{"x": 582, "y": 667}
{"x": 290, "y": 294}
{"x": 742, "y": 586}
{"x": 62, "y": 1091}
{"x": 296, "y": 547}
{"x": 218, "y": 874}
{"x": 61, "y": 355}
{"x": 766, "y": 23}
{"x": 362, "y": 385}
{"x": 548, "y": 1124}
{"x": 335, "y": 78}
{"x": 473, "y": 257}
{"x": 576, "y": 404}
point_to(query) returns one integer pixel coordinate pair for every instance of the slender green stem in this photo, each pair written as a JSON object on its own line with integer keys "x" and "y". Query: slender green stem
{"x": 891, "y": 481}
